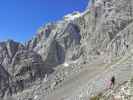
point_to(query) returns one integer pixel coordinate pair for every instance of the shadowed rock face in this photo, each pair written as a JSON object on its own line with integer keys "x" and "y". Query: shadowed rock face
{"x": 26, "y": 65}
{"x": 63, "y": 38}
{"x": 19, "y": 67}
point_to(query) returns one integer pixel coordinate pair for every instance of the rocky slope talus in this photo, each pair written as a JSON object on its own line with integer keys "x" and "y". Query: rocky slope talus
{"x": 102, "y": 33}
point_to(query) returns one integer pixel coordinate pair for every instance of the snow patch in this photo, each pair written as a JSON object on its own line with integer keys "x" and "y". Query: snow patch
{"x": 35, "y": 97}
{"x": 66, "y": 64}
{"x": 72, "y": 16}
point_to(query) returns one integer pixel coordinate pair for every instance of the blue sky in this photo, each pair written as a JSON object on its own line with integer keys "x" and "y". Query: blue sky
{"x": 20, "y": 19}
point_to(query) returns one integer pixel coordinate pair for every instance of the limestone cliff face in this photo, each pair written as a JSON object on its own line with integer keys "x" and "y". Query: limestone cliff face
{"x": 56, "y": 43}
{"x": 106, "y": 27}
{"x": 104, "y": 30}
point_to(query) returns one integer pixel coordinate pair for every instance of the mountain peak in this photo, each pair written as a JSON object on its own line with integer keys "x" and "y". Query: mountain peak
{"x": 66, "y": 54}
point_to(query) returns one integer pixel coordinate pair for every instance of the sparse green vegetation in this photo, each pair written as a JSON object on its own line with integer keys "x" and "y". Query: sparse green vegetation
{"x": 95, "y": 98}
{"x": 98, "y": 97}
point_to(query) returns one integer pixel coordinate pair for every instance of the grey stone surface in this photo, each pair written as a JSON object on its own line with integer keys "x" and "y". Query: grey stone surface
{"x": 60, "y": 51}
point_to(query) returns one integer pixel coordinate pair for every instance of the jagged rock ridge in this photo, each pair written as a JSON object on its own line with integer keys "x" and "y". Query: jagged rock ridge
{"x": 102, "y": 34}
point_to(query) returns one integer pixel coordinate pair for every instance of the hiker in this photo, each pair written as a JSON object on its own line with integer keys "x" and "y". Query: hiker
{"x": 112, "y": 82}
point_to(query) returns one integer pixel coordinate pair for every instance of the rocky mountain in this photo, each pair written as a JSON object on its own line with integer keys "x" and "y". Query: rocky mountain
{"x": 59, "y": 62}
{"x": 56, "y": 43}
{"x": 8, "y": 50}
